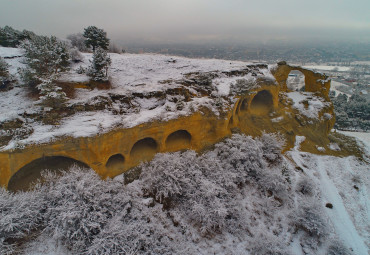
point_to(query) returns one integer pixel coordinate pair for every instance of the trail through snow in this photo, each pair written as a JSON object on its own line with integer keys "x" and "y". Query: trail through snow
{"x": 339, "y": 216}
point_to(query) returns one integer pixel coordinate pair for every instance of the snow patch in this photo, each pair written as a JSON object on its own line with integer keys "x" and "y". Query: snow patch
{"x": 307, "y": 103}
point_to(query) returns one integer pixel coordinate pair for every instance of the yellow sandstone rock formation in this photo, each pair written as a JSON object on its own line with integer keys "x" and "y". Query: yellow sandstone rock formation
{"x": 266, "y": 108}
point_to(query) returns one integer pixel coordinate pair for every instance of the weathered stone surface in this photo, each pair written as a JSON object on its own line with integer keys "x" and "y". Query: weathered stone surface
{"x": 117, "y": 151}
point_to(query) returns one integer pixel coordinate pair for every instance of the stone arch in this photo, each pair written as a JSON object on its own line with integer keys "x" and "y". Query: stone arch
{"x": 115, "y": 163}
{"x": 262, "y": 102}
{"x": 296, "y": 80}
{"x": 144, "y": 149}
{"x": 31, "y": 172}
{"x": 180, "y": 139}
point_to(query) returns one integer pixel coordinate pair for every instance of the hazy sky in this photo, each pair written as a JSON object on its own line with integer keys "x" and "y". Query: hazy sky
{"x": 194, "y": 20}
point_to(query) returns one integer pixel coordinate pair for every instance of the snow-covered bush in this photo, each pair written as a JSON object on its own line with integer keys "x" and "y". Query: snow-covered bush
{"x": 274, "y": 246}
{"x": 79, "y": 205}
{"x": 181, "y": 182}
{"x": 78, "y": 41}
{"x": 99, "y": 66}
{"x": 337, "y": 248}
{"x": 202, "y": 188}
{"x": 231, "y": 199}
{"x": 271, "y": 146}
{"x": 76, "y": 55}
{"x": 310, "y": 218}
{"x": 305, "y": 186}
{"x": 139, "y": 229}
{"x": 20, "y": 214}
{"x": 51, "y": 95}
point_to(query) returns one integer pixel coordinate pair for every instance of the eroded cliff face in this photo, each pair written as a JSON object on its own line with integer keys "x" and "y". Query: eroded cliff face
{"x": 264, "y": 106}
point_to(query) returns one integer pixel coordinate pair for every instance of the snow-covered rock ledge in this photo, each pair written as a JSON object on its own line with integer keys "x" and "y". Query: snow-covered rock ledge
{"x": 156, "y": 103}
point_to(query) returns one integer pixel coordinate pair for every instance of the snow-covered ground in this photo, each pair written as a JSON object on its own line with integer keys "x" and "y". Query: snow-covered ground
{"x": 362, "y": 138}
{"x": 301, "y": 204}
{"x": 334, "y": 85}
{"x": 328, "y": 68}
{"x": 344, "y": 183}
{"x": 129, "y": 73}
{"x": 307, "y": 103}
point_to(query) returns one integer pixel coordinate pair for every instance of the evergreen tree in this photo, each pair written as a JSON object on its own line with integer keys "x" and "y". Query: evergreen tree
{"x": 4, "y": 74}
{"x": 96, "y": 37}
{"x": 10, "y": 37}
{"x": 45, "y": 57}
{"x": 99, "y": 66}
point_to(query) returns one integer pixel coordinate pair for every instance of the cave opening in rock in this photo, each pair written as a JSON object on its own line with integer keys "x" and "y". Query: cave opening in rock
{"x": 144, "y": 149}
{"x": 24, "y": 178}
{"x": 178, "y": 140}
{"x": 115, "y": 163}
{"x": 262, "y": 102}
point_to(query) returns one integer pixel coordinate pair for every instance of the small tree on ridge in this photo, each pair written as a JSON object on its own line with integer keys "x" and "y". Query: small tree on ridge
{"x": 96, "y": 37}
{"x": 99, "y": 65}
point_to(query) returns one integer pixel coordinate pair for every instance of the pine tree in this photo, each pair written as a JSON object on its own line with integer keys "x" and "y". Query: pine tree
{"x": 96, "y": 37}
{"x": 10, "y": 37}
{"x": 45, "y": 57}
{"x": 99, "y": 66}
{"x": 4, "y": 74}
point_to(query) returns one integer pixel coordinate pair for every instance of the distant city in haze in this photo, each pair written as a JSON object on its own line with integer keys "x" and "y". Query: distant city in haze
{"x": 339, "y": 53}
{"x": 269, "y": 30}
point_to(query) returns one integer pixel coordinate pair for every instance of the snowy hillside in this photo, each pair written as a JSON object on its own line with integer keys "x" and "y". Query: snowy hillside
{"x": 242, "y": 197}
{"x": 143, "y": 80}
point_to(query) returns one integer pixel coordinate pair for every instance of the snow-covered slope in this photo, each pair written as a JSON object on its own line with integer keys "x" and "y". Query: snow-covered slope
{"x": 130, "y": 75}
{"x": 242, "y": 197}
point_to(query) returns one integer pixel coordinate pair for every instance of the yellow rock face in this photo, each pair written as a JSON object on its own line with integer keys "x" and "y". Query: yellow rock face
{"x": 113, "y": 153}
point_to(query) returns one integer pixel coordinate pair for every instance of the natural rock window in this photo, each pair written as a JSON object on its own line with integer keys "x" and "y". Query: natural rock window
{"x": 296, "y": 81}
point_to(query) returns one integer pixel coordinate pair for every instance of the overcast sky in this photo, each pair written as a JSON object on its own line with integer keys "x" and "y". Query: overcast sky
{"x": 194, "y": 20}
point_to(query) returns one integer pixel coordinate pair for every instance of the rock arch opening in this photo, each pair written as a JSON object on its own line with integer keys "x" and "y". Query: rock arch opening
{"x": 23, "y": 179}
{"x": 115, "y": 163}
{"x": 262, "y": 103}
{"x": 296, "y": 81}
{"x": 144, "y": 149}
{"x": 178, "y": 140}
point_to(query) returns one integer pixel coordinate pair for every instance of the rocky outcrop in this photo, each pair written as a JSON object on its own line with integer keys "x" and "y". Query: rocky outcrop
{"x": 262, "y": 107}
